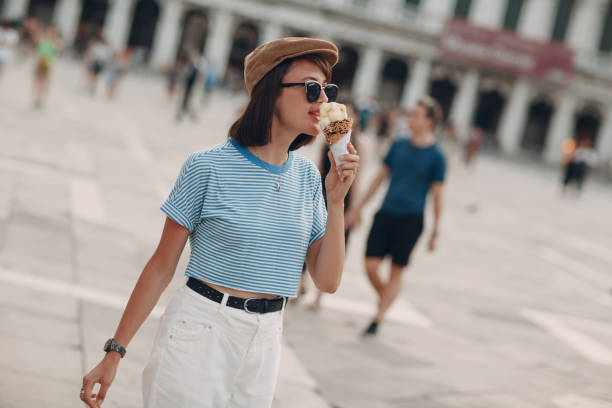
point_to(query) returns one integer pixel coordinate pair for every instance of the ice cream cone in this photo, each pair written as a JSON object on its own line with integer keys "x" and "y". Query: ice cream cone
{"x": 336, "y": 130}
{"x": 336, "y": 126}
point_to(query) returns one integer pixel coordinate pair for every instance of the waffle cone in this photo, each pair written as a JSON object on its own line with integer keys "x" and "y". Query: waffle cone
{"x": 336, "y": 130}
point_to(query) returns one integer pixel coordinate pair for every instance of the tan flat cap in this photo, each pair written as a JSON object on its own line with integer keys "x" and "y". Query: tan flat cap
{"x": 268, "y": 55}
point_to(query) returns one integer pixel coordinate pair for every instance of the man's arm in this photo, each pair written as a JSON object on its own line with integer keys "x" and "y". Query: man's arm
{"x": 436, "y": 189}
{"x": 353, "y": 215}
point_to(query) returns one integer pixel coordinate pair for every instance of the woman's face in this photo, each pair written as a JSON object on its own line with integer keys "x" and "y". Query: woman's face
{"x": 292, "y": 109}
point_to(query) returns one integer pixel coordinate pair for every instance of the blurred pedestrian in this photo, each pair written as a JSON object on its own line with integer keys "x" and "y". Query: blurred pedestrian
{"x": 415, "y": 166}
{"x": 116, "y": 71}
{"x": 210, "y": 81}
{"x": 98, "y": 56}
{"x": 578, "y": 158}
{"x": 472, "y": 147}
{"x": 366, "y": 107}
{"x": 191, "y": 75}
{"x": 253, "y": 211}
{"x": 174, "y": 75}
{"x": 30, "y": 34}
{"x": 47, "y": 50}
{"x": 9, "y": 38}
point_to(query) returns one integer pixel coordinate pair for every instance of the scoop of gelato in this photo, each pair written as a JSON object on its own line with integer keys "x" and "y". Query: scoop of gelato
{"x": 331, "y": 112}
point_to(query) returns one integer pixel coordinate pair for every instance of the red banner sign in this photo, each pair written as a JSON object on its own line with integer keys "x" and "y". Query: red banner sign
{"x": 505, "y": 51}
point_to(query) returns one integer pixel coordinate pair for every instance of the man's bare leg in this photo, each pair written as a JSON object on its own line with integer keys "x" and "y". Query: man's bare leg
{"x": 372, "y": 265}
{"x": 390, "y": 292}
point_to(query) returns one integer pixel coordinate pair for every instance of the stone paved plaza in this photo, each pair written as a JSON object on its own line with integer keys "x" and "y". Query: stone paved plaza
{"x": 513, "y": 310}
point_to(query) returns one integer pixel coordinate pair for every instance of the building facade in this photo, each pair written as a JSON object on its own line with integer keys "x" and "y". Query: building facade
{"x": 395, "y": 50}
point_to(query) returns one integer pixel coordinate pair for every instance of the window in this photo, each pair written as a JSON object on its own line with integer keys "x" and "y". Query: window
{"x": 462, "y": 8}
{"x": 605, "y": 43}
{"x": 513, "y": 13}
{"x": 564, "y": 11}
{"x": 413, "y": 3}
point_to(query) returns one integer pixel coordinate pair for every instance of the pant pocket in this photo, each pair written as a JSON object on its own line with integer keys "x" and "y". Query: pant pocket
{"x": 187, "y": 331}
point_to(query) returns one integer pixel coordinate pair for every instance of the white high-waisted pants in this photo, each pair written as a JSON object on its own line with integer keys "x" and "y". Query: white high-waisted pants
{"x": 209, "y": 355}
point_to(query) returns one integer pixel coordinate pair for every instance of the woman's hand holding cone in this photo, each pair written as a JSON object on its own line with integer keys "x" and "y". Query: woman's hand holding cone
{"x": 339, "y": 179}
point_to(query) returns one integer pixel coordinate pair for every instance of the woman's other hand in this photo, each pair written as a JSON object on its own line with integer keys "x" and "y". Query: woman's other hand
{"x": 103, "y": 374}
{"x": 339, "y": 179}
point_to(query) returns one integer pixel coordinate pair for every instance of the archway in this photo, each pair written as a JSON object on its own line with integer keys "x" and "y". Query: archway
{"x": 490, "y": 106}
{"x": 91, "y": 23}
{"x": 587, "y": 123}
{"x": 146, "y": 14}
{"x": 246, "y": 38}
{"x": 443, "y": 90}
{"x": 394, "y": 75}
{"x": 297, "y": 33}
{"x": 344, "y": 72}
{"x": 195, "y": 31}
{"x": 537, "y": 124}
{"x": 42, "y": 10}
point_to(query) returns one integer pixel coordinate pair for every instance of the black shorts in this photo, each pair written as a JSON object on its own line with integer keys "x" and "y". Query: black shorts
{"x": 394, "y": 235}
{"x": 96, "y": 67}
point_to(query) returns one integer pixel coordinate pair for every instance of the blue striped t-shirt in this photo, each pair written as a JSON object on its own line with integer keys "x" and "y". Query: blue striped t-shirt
{"x": 250, "y": 222}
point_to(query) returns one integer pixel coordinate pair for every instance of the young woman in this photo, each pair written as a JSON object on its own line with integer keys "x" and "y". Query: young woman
{"x": 47, "y": 50}
{"x": 253, "y": 211}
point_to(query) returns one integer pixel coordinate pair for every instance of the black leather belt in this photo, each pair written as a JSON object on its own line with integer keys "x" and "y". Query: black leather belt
{"x": 252, "y": 305}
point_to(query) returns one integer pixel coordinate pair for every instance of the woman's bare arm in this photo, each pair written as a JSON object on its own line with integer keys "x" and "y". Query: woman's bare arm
{"x": 153, "y": 280}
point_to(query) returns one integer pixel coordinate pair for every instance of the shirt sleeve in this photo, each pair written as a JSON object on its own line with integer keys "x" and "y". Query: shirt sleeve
{"x": 319, "y": 216}
{"x": 439, "y": 171}
{"x": 184, "y": 204}
{"x": 388, "y": 160}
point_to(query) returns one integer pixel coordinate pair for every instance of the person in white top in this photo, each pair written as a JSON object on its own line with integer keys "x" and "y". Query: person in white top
{"x": 99, "y": 55}
{"x": 9, "y": 38}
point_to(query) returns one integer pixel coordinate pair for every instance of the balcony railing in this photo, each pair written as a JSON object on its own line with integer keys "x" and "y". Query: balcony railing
{"x": 389, "y": 13}
{"x": 596, "y": 64}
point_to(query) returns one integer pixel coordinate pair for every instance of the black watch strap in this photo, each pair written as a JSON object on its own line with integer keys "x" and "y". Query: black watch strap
{"x": 111, "y": 345}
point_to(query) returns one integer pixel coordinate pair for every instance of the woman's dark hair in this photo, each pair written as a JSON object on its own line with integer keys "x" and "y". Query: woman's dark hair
{"x": 254, "y": 125}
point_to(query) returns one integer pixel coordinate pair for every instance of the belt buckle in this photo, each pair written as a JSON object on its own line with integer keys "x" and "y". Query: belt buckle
{"x": 245, "y": 307}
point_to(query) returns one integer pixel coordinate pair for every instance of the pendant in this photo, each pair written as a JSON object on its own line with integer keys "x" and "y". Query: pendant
{"x": 278, "y": 186}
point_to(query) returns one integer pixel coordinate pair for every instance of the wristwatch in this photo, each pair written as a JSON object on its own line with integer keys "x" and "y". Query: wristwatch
{"x": 112, "y": 346}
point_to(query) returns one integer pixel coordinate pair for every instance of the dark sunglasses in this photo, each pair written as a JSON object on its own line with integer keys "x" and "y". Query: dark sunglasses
{"x": 313, "y": 90}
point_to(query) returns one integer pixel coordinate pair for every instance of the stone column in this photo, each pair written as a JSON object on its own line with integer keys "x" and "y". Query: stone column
{"x": 15, "y": 9}
{"x": 604, "y": 140}
{"x": 514, "y": 116}
{"x": 270, "y": 31}
{"x": 488, "y": 13}
{"x": 585, "y": 24}
{"x": 537, "y": 19}
{"x": 417, "y": 84}
{"x": 367, "y": 75}
{"x": 167, "y": 34}
{"x": 442, "y": 8}
{"x": 219, "y": 41}
{"x": 118, "y": 23}
{"x": 66, "y": 18}
{"x": 463, "y": 105}
{"x": 561, "y": 128}
{"x": 436, "y": 12}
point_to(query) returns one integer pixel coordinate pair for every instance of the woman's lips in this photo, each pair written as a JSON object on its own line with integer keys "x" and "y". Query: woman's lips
{"x": 315, "y": 115}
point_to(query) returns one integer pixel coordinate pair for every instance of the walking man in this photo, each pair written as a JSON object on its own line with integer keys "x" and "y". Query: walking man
{"x": 415, "y": 165}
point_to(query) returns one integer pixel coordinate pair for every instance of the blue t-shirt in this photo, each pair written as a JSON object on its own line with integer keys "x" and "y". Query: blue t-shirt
{"x": 413, "y": 169}
{"x": 250, "y": 222}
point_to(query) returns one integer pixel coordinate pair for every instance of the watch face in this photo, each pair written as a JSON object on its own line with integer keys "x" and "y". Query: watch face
{"x": 107, "y": 345}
